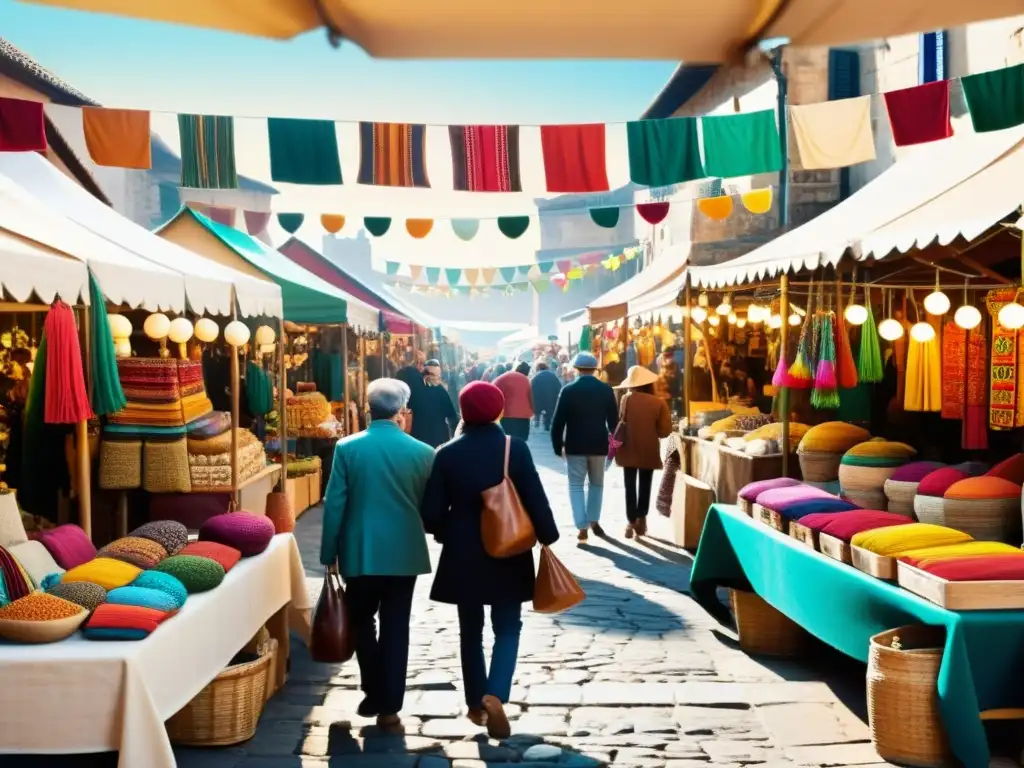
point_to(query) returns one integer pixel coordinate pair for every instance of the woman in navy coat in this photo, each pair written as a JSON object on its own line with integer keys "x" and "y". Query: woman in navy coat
{"x": 466, "y": 575}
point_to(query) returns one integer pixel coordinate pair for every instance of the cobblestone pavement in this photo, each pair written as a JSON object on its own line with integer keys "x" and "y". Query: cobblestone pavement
{"x": 638, "y": 675}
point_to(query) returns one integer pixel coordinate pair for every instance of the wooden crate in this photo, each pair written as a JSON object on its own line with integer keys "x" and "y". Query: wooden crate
{"x": 314, "y": 487}
{"x": 771, "y": 518}
{"x": 297, "y": 489}
{"x": 803, "y": 534}
{"x": 835, "y": 548}
{"x": 879, "y": 566}
{"x": 961, "y": 595}
{"x": 690, "y": 502}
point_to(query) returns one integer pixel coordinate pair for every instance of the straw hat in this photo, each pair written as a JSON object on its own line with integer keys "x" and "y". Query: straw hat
{"x": 638, "y": 376}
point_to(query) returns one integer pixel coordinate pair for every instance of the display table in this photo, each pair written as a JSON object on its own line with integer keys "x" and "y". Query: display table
{"x": 727, "y": 470}
{"x": 982, "y": 663}
{"x": 81, "y": 696}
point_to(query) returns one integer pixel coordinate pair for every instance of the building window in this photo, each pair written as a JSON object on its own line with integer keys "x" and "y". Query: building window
{"x": 933, "y": 58}
{"x": 843, "y": 83}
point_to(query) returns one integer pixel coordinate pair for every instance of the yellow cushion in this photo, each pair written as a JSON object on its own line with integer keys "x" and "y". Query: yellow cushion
{"x": 774, "y": 432}
{"x": 899, "y": 539}
{"x": 923, "y": 557}
{"x": 882, "y": 449}
{"x": 105, "y": 571}
{"x": 833, "y": 437}
{"x": 725, "y": 425}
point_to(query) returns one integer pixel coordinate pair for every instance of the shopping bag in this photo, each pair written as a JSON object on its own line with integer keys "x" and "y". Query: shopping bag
{"x": 505, "y": 526}
{"x": 556, "y": 589}
{"x": 331, "y": 640}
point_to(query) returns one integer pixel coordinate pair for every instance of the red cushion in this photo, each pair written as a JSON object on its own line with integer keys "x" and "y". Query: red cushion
{"x": 1011, "y": 469}
{"x": 980, "y": 568}
{"x": 845, "y": 525}
{"x": 221, "y": 553}
{"x": 114, "y": 616}
{"x": 935, "y": 483}
{"x": 816, "y": 520}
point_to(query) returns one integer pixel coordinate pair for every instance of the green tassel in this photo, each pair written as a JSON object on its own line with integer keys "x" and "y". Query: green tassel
{"x": 869, "y": 365}
{"x": 825, "y": 399}
{"x": 107, "y": 394}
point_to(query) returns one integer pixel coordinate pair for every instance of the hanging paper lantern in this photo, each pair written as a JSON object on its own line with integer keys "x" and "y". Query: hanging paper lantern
{"x": 265, "y": 335}
{"x": 856, "y": 314}
{"x": 236, "y": 333}
{"x": 922, "y": 332}
{"x": 156, "y": 326}
{"x": 180, "y": 330}
{"x": 890, "y": 329}
{"x": 967, "y": 317}
{"x": 120, "y": 326}
{"x": 1011, "y": 316}
{"x": 698, "y": 314}
{"x": 206, "y": 330}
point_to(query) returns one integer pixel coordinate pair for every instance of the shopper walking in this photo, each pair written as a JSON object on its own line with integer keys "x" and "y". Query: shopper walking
{"x": 545, "y": 385}
{"x": 647, "y": 420}
{"x": 373, "y": 535}
{"x": 586, "y": 413}
{"x": 515, "y": 386}
{"x": 434, "y": 417}
{"x": 466, "y": 575}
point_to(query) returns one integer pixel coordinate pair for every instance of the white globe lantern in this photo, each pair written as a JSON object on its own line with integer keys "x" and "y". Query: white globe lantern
{"x": 794, "y": 319}
{"x": 741, "y": 322}
{"x": 856, "y": 314}
{"x": 702, "y": 300}
{"x": 157, "y": 326}
{"x": 122, "y": 348}
{"x": 265, "y": 335}
{"x": 714, "y": 320}
{"x": 967, "y": 317}
{"x": 236, "y": 333}
{"x": 732, "y": 318}
{"x": 180, "y": 330}
{"x": 922, "y": 332}
{"x": 206, "y": 330}
{"x": 698, "y": 314}
{"x": 120, "y": 326}
{"x": 775, "y": 321}
{"x": 1011, "y": 316}
{"x": 936, "y": 303}
{"x": 890, "y": 329}
{"x": 724, "y": 308}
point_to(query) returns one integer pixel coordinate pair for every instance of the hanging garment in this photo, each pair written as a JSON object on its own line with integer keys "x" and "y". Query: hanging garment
{"x": 954, "y": 371}
{"x": 393, "y": 155}
{"x": 996, "y": 98}
{"x": 118, "y": 137}
{"x": 923, "y": 388}
{"x": 975, "y": 431}
{"x": 485, "y": 158}
{"x": 574, "y": 157}
{"x": 833, "y": 134}
{"x": 919, "y": 114}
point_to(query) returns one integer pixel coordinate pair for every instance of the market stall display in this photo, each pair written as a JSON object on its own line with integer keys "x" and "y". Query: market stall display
{"x": 901, "y": 487}
{"x": 865, "y": 468}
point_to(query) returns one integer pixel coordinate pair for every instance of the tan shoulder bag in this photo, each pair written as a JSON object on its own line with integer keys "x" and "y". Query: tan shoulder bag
{"x": 505, "y": 527}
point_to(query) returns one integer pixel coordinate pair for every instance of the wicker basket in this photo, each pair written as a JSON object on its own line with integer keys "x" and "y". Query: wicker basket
{"x": 120, "y": 465}
{"x": 819, "y": 467}
{"x": 762, "y": 629}
{"x": 900, "y": 495}
{"x": 930, "y": 509}
{"x": 279, "y": 510}
{"x": 867, "y": 499}
{"x": 166, "y": 468}
{"x": 984, "y": 519}
{"x": 227, "y": 710}
{"x": 856, "y": 478}
{"x": 903, "y": 706}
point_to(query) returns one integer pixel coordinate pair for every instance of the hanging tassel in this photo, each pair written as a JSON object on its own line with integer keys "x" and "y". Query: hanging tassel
{"x": 846, "y": 369}
{"x": 107, "y": 393}
{"x": 781, "y": 375}
{"x": 66, "y": 398}
{"x": 869, "y": 366}
{"x": 826, "y": 392}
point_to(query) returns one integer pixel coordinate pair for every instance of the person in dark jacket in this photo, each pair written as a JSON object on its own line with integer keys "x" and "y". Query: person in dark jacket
{"x": 546, "y": 385}
{"x": 433, "y": 413}
{"x": 466, "y": 575}
{"x": 586, "y": 413}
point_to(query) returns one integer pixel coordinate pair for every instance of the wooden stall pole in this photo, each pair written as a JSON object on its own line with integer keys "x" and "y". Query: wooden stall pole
{"x": 784, "y": 390}
{"x": 344, "y": 377}
{"x": 687, "y": 352}
{"x": 235, "y": 414}
{"x": 282, "y": 405}
{"x": 362, "y": 374}
{"x": 84, "y": 470}
{"x": 383, "y": 358}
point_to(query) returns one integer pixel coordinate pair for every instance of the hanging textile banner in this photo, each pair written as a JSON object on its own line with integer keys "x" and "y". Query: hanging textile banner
{"x": 920, "y": 114}
{"x": 485, "y": 158}
{"x": 303, "y": 151}
{"x": 1003, "y": 392}
{"x": 741, "y": 145}
{"x": 954, "y": 371}
{"x": 393, "y": 155}
{"x": 117, "y": 138}
{"x": 833, "y": 134}
{"x": 207, "y": 152}
{"x": 574, "y": 158}
{"x": 995, "y": 99}
{"x": 22, "y": 126}
{"x": 664, "y": 152}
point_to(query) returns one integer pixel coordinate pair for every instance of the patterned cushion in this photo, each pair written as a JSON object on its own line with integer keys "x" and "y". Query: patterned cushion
{"x": 12, "y": 527}
{"x": 143, "y": 596}
{"x": 248, "y": 533}
{"x": 82, "y": 593}
{"x": 69, "y": 545}
{"x": 169, "y": 533}
{"x": 163, "y": 582}
{"x": 17, "y": 583}
{"x": 123, "y": 622}
{"x": 145, "y": 553}
{"x": 37, "y": 562}
{"x": 198, "y": 574}
{"x": 105, "y": 571}
{"x": 222, "y": 553}
{"x": 936, "y": 483}
{"x": 750, "y": 491}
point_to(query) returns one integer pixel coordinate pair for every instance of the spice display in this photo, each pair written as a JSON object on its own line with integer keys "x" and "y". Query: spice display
{"x": 39, "y": 606}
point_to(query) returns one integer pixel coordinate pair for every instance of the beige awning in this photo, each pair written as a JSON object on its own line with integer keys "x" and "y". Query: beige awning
{"x": 695, "y": 31}
{"x": 619, "y": 302}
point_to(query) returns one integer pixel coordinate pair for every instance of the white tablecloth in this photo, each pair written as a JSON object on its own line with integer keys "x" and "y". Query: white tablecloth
{"x": 91, "y": 696}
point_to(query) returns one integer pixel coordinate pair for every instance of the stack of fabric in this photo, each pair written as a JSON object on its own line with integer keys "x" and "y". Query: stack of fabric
{"x": 210, "y": 459}
{"x": 978, "y": 568}
{"x": 922, "y": 558}
{"x": 151, "y": 386}
{"x": 748, "y": 493}
{"x": 901, "y": 488}
{"x": 796, "y": 501}
{"x": 986, "y": 507}
{"x": 194, "y": 402}
{"x": 845, "y": 525}
{"x": 896, "y": 541}
{"x": 929, "y": 505}
{"x": 864, "y": 469}
{"x": 821, "y": 450}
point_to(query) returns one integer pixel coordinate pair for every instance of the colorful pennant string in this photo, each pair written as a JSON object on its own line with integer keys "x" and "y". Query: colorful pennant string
{"x": 419, "y": 228}
{"x": 377, "y": 225}
{"x": 465, "y": 229}
{"x": 607, "y": 218}
{"x": 332, "y": 223}
{"x": 513, "y": 227}
{"x": 653, "y": 213}
{"x": 290, "y": 222}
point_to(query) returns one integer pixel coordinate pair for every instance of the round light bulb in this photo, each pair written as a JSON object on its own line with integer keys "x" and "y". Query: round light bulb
{"x": 967, "y": 317}
{"x": 714, "y": 320}
{"x": 265, "y": 335}
{"x": 936, "y": 303}
{"x": 236, "y": 333}
{"x": 922, "y": 332}
{"x": 702, "y": 300}
{"x": 180, "y": 330}
{"x": 1011, "y": 317}
{"x": 775, "y": 321}
{"x": 206, "y": 330}
{"x": 794, "y": 319}
{"x": 120, "y": 326}
{"x": 741, "y": 322}
{"x": 732, "y": 318}
{"x": 856, "y": 314}
{"x": 698, "y": 314}
{"x": 266, "y": 349}
{"x": 890, "y": 329}
{"x": 724, "y": 308}
{"x": 156, "y": 326}
{"x": 123, "y": 348}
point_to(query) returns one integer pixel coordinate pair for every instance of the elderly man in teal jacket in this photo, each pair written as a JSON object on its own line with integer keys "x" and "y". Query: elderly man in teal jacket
{"x": 373, "y": 533}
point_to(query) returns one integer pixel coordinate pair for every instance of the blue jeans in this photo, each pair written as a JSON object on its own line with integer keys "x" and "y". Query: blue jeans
{"x": 586, "y": 508}
{"x": 506, "y": 624}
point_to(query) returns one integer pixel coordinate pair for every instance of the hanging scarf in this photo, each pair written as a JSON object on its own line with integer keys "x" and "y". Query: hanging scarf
{"x": 846, "y": 368}
{"x": 923, "y": 390}
{"x": 1003, "y": 395}
{"x": 954, "y": 371}
{"x": 869, "y": 366}
{"x": 66, "y": 400}
{"x": 975, "y": 431}
{"x": 107, "y": 394}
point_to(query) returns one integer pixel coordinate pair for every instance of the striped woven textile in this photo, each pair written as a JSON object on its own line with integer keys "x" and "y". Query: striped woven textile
{"x": 207, "y": 152}
{"x": 189, "y": 372}
{"x": 393, "y": 155}
{"x": 149, "y": 379}
{"x": 195, "y": 406}
{"x": 485, "y": 158}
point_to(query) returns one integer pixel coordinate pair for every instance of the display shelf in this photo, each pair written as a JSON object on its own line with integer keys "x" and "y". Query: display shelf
{"x": 267, "y": 471}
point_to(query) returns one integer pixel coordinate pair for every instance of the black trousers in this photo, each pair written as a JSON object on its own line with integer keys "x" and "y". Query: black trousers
{"x": 516, "y": 428}
{"x": 638, "y": 491}
{"x": 384, "y": 659}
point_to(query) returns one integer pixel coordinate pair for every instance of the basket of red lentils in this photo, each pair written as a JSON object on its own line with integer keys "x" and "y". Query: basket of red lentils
{"x": 40, "y": 618}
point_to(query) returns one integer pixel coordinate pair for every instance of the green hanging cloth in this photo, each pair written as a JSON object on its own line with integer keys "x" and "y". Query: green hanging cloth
{"x": 741, "y": 145}
{"x": 586, "y": 339}
{"x": 869, "y": 363}
{"x": 33, "y": 446}
{"x": 329, "y": 376}
{"x": 259, "y": 390}
{"x": 664, "y": 152}
{"x": 995, "y": 99}
{"x": 107, "y": 394}
{"x": 303, "y": 151}
{"x": 207, "y": 152}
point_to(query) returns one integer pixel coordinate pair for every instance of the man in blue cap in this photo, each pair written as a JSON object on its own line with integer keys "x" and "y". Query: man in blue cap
{"x": 585, "y": 415}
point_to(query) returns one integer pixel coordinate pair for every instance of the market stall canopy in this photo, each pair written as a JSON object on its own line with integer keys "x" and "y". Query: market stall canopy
{"x": 525, "y": 337}
{"x": 29, "y": 270}
{"x": 667, "y": 267}
{"x": 126, "y": 279}
{"x": 307, "y": 298}
{"x": 208, "y": 285}
{"x": 687, "y": 30}
{"x": 925, "y": 173}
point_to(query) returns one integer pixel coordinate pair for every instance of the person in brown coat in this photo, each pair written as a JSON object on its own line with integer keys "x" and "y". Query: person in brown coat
{"x": 647, "y": 421}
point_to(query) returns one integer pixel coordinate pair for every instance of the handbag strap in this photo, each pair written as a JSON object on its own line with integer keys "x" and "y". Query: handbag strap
{"x": 508, "y": 450}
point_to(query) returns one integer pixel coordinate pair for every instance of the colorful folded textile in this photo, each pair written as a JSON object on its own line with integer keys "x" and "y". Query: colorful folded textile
{"x": 979, "y": 568}
{"x": 193, "y": 389}
{"x": 932, "y": 555}
{"x": 189, "y": 372}
{"x": 150, "y": 414}
{"x": 894, "y": 541}
{"x": 212, "y": 424}
{"x": 800, "y": 509}
{"x": 845, "y": 525}
{"x": 778, "y": 499}
{"x": 142, "y": 432}
{"x": 155, "y": 377}
{"x": 123, "y": 622}
{"x": 195, "y": 406}
{"x": 246, "y": 453}
{"x": 750, "y": 491}
{"x": 816, "y": 521}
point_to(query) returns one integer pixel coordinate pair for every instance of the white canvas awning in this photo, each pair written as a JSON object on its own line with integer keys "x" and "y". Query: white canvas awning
{"x": 207, "y": 284}
{"x": 28, "y": 269}
{"x": 659, "y": 300}
{"x": 124, "y": 277}
{"x": 618, "y": 303}
{"x": 967, "y": 210}
{"x": 922, "y": 174}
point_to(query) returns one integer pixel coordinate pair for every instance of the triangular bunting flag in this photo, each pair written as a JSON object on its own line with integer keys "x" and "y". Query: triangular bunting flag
{"x": 433, "y": 275}
{"x": 605, "y": 217}
{"x": 508, "y": 274}
{"x": 564, "y": 265}
{"x": 545, "y": 266}
{"x": 513, "y": 227}
{"x": 453, "y": 276}
{"x": 471, "y": 275}
{"x": 377, "y": 225}
{"x": 415, "y": 270}
{"x": 540, "y": 286}
{"x": 488, "y": 275}
{"x": 391, "y": 267}
{"x": 290, "y": 222}
{"x": 333, "y": 223}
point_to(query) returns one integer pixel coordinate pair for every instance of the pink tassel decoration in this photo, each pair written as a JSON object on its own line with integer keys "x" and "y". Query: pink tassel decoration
{"x": 781, "y": 375}
{"x": 825, "y": 378}
{"x": 66, "y": 398}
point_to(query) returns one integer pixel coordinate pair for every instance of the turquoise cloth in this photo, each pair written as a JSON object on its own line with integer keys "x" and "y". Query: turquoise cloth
{"x": 303, "y": 151}
{"x": 982, "y": 663}
{"x": 741, "y": 145}
{"x": 663, "y": 152}
{"x": 372, "y": 522}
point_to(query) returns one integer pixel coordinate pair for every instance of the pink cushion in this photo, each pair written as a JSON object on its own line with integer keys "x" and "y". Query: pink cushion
{"x": 780, "y": 498}
{"x": 68, "y": 545}
{"x": 750, "y": 491}
{"x": 250, "y": 534}
{"x": 936, "y": 483}
{"x": 915, "y": 471}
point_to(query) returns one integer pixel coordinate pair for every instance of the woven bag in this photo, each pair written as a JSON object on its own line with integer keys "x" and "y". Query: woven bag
{"x": 166, "y": 468}
{"x": 120, "y": 465}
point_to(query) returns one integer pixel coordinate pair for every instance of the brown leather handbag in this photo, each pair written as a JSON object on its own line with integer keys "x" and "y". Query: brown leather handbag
{"x": 555, "y": 589}
{"x": 331, "y": 640}
{"x": 506, "y": 529}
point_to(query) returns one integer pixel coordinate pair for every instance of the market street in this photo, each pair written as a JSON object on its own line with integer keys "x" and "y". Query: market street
{"x": 638, "y": 675}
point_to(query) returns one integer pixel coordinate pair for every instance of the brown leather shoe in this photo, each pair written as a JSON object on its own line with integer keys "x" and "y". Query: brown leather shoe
{"x": 497, "y": 721}
{"x": 582, "y": 536}
{"x": 629, "y": 531}
{"x": 598, "y": 530}
{"x": 640, "y": 526}
{"x": 477, "y": 717}
{"x": 390, "y": 724}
